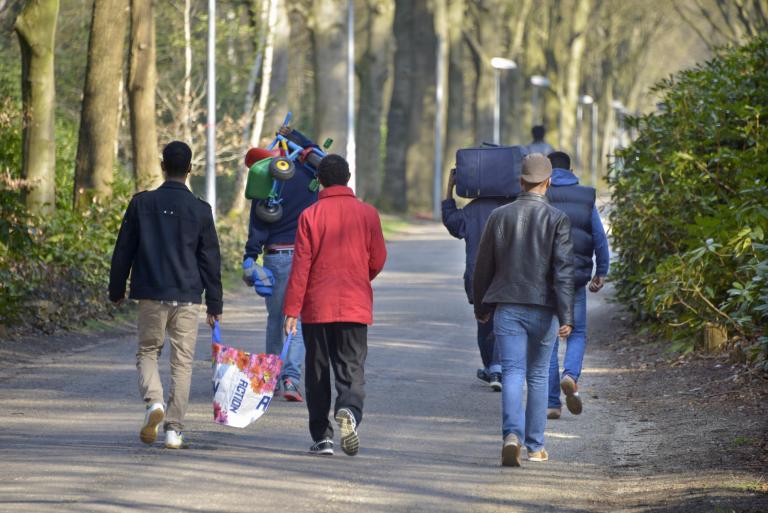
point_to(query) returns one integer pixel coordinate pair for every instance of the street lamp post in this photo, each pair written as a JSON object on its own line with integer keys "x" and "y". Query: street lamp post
{"x": 498, "y": 64}
{"x": 537, "y": 81}
{"x": 618, "y": 132}
{"x": 593, "y": 145}
{"x": 351, "y": 147}
{"x": 578, "y": 147}
{"x": 210, "y": 144}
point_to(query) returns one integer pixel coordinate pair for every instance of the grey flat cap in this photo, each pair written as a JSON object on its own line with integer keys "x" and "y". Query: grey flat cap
{"x": 536, "y": 168}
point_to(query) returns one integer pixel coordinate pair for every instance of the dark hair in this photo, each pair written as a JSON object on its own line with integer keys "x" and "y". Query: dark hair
{"x": 176, "y": 158}
{"x": 560, "y": 159}
{"x": 333, "y": 170}
{"x": 538, "y": 132}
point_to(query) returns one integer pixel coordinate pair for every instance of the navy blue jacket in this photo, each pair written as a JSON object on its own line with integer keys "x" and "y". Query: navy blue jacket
{"x": 587, "y": 232}
{"x": 168, "y": 245}
{"x": 296, "y": 197}
{"x": 468, "y": 223}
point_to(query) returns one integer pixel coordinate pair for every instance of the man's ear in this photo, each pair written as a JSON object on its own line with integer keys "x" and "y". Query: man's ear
{"x": 162, "y": 166}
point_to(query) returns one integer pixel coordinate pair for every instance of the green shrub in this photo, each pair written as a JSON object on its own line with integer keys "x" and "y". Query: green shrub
{"x": 690, "y": 216}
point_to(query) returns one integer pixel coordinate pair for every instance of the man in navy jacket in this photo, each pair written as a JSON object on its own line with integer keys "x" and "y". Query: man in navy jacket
{"x": 168, "y": 245}
{"x": 589, "y": 239}
{"x": 275, "y": 241}
{"x": 467, "y": 223}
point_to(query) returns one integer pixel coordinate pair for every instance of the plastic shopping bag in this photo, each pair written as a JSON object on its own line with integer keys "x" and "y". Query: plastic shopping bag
{"x": 243, "y": 383}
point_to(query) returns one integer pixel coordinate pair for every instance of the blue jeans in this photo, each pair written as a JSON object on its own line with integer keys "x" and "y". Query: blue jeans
{"x": 489, "y": 351}
{"x": 524, "y": 334}
{"x": 574, "y": 349}
{"x": 280, "y": 265}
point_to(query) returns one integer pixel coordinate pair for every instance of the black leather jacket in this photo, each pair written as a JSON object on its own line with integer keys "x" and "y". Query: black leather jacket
{"x": 526, "y": 257}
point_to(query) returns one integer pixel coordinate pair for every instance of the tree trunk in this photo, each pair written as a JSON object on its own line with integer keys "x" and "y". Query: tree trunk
{"x": 266, "y": 75}
{"x": 408, "y": 168}
{"x": 458, "y": 105}
{"x": 579, "y": 25}
{"x": 330, "y": 46}
{"x": 36, "y": 29}
{"x": 301, "y": 84}
{"x": 101, "y": 100}
{"x": 488, "y": 40}
{"x": 372, "y": 66}
{"x": 278, "y": 102}
{"x": 238, "y": 201}
{"x": 142, "y": 82}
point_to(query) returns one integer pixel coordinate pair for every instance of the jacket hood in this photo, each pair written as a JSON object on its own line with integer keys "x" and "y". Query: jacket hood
{"x": 563, "y": 177}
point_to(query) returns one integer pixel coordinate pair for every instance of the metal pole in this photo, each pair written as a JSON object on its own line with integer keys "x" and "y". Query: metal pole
{"x": 351, "y": 149}
{"x": 577, "y": 142}
{"x": 210, "y": 145}
{"x": 497, "y": 109}
{"x": 437, "y": 178}
{"x": 593, "y": 145}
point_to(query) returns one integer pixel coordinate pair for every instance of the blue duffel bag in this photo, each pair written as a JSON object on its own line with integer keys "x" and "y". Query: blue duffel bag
{"x": 489, "y": 171}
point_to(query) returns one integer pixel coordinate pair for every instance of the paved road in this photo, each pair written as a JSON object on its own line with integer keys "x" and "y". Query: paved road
{"x": 430, "y": 440}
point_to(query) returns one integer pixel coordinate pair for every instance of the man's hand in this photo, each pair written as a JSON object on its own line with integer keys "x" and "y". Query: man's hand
{"x": 451, "y": 184}
{"x": 117, "y": 302}
{"x": 285, "y": 130}
{"x": 483, "y": 318}
{"x": 597, "y": 283}
{"x": 290, "y": 325}
{"x": 212, "y": 319}
{"x": 565, "y": 331}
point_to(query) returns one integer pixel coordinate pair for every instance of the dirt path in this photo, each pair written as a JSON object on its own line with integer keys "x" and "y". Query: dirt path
{"x": 430, "y": 439}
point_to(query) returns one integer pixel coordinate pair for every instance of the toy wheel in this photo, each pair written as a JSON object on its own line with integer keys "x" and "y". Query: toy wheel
{"x": 269, "y": 213}
{"x": 281, "y": 169}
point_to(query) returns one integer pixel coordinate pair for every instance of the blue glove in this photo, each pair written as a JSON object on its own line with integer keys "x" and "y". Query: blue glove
{"x": 261, "y": 279}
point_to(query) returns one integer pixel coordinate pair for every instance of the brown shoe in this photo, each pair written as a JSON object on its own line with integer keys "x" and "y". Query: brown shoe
{"x": 553, "y": 413}
{"x": 540, "y": 455}
{"x": 510, "y": 451}
{"x": 571, "y": 391}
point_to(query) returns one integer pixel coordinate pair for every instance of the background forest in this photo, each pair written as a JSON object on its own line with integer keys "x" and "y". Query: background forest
{"x": 113, "y": 80}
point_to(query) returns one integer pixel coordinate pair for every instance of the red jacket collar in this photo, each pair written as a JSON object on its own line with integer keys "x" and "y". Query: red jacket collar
{"x": 336, "y": 190}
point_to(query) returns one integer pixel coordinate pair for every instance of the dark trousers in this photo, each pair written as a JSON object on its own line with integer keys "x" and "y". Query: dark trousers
{"x": 344, "y": 345}
{"x": 486, "y": 342}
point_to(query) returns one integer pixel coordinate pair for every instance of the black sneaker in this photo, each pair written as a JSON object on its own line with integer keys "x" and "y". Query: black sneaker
{"x": 350, "y": 442}
{"x": 495, "y": 381}
{"x": 483, "y": 376}
{"x": 322, "y": 448}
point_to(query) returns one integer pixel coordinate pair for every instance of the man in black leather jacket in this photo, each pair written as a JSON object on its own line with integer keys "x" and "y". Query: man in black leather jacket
{"x": 524, "y": 277}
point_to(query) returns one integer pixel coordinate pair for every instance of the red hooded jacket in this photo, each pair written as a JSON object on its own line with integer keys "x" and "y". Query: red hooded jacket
{"x": 339, "y": 250}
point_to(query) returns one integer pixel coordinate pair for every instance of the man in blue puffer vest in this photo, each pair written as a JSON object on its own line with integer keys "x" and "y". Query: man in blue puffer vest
{"x": 588, "y": 236}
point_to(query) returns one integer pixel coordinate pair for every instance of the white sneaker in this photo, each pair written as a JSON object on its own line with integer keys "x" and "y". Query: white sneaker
{"x": 152, "y": 420}
{"x": 174, "y": 439}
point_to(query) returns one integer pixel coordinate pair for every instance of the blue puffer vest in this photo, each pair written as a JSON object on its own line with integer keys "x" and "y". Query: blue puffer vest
{"x": 577, "y": 201}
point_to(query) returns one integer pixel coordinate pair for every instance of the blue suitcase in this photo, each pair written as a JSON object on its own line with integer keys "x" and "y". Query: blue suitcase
{"x": 489, "y": 171}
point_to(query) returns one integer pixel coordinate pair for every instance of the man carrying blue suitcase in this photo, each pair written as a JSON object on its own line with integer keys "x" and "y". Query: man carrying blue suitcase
{"x": 467, "y": 223}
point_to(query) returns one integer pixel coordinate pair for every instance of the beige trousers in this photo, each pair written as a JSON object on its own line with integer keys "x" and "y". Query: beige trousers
{"x": 180, "y": 322}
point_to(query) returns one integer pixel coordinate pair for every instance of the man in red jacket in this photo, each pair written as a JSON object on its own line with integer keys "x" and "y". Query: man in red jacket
{"x": 339, "y": 250}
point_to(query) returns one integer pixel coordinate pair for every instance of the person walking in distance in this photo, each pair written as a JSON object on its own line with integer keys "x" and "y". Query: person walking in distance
{"x": 339, "y": 250}
{"x": 467, "y": 223}
{"x": 588, "y": 236}
{"x": 524, "y": 278}
{"x": 168, "y": 245}
{"x": 276, "y": 241}
{"x": 539, "y": 145}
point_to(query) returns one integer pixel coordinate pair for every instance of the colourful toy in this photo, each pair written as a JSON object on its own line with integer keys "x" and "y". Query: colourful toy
{"x": 269, "y": 168}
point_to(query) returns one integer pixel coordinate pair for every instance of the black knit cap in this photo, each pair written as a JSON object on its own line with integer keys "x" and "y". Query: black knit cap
{"x": 176, "y": 158}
